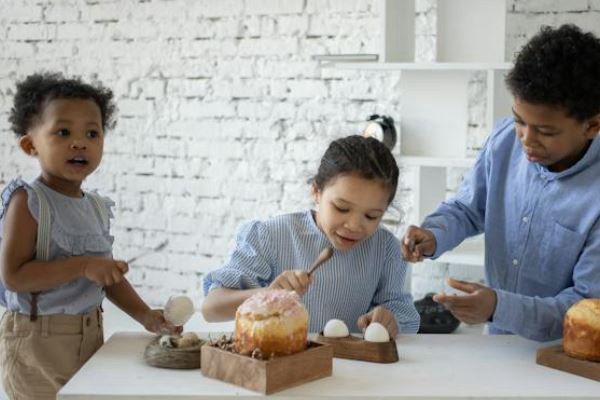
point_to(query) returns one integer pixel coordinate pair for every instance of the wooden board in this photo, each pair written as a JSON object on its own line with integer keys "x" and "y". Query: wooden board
{"x": 355, "y": 348}
{"x": 268, "y": 376}
{"x": 555, "y": 357}
{"x": 158, "y": 356}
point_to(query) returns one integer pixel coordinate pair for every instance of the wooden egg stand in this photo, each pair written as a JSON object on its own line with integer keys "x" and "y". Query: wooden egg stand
{"x": 268, "y": 376}
{"x": 356, "y": 348}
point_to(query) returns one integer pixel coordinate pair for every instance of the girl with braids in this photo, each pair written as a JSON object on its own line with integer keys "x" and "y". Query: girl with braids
{"x": 364, "y": 280}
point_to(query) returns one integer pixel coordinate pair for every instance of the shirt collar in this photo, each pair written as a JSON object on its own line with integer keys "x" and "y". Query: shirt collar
{"x": 591, "y": 156}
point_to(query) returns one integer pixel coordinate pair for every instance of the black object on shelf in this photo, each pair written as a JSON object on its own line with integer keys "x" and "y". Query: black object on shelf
{"x": 434, "y": 317}
{"x": 382, "y": 128}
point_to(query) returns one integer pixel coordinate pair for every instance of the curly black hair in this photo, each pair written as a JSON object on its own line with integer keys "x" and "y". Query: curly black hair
{"x": 35, "y": 91}
{"x": 364, "y": 156}
{"x": 559, "y": 67}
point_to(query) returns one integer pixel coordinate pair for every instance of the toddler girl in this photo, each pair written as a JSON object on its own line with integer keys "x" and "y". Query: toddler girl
{"x": 55, "y": 247}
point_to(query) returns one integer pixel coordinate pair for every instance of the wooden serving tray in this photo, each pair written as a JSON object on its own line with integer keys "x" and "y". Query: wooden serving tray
{"x": 355, "y": 348}
{"x": 185, "y": 358}
{"x": 555, "y": 357}
{"x": 268, "y": 376}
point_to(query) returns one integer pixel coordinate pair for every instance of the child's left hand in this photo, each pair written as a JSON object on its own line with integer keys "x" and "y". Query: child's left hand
{"x": 154, "y": 321}
{"x": 474, "y": 307}
{"x": 383, "y": 316}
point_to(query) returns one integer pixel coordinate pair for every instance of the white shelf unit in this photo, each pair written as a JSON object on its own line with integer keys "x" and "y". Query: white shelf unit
{"x": 433, "y": 125}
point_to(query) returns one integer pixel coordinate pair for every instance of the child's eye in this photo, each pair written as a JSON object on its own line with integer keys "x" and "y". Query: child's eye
{"x": 63, "y": 132}
{"x": 92, "y": 134}
{"x": 372, "y": 218}
{"x": 339, "y": 209}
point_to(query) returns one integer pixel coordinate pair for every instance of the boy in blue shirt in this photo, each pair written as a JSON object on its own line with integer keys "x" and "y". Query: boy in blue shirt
{"x": 535, "y": 193}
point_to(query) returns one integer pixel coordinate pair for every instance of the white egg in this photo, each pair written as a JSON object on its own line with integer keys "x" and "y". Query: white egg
{"x": 178, "y": 310}
{"x": 335, "y": 328}
{"x": 376, "y": 332}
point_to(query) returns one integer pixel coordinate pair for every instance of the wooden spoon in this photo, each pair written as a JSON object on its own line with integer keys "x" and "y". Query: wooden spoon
{"x": 324, "y": 255}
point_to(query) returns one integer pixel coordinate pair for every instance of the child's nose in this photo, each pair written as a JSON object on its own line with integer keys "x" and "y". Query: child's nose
{"x": 78, "y": 144}
{"x": 353, "y": 223}
{"x": 527, "y": 136}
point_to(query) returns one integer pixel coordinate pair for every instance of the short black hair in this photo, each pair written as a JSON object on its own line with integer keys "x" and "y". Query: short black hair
{"x": 559, "y": 67}
{"x": 36, "y": 90}
{"x": 364, "y": 156}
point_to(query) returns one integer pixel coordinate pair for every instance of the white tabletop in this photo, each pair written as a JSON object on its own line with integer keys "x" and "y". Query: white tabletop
{"x": 430, "y": 366}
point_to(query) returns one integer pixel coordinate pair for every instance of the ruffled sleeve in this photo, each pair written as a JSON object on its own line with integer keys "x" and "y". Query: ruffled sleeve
{"x": 11, "y": 188}
{"x": 85, "y": 243}
{"x": 108, "y": 205}
{"x": 249, "y": 264}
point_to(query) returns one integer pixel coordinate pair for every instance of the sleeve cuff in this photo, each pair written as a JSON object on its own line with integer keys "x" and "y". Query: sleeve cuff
{"x": 441, "y": 246}
{"x": 505, "y": 315}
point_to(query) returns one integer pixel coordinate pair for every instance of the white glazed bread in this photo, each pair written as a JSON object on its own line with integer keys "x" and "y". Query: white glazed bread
{"x": 273, "y": 322}
{"x": 581, "y": 330}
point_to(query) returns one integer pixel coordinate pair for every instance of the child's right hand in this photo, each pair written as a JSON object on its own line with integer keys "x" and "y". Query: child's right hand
{"x": 296, "y": 280}
{"x": 417, "y": 244}
{"x": 105, "y": 271}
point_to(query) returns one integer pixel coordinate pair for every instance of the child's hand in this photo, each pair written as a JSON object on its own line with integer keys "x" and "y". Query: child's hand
{"x": 105, "y": 271}
{"x": 417, "y": 244}
{"x": 383, "y": 316}
{"x": 154, "y": 321}
{"x": 295, "y": 280}
{"x": 474, "y": 307}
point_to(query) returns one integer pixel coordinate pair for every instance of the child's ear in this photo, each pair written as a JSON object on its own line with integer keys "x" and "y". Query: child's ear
{"x": 316, "y": 193}
{"x": 593, "y": 127}
{"x": 26, "y": 144}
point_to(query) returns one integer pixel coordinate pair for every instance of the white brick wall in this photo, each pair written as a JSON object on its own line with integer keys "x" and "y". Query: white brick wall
{"x": 223, "y": 115}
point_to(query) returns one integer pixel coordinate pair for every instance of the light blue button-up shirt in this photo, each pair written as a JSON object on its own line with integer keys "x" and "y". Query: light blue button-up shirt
{"x": 542, "y": 232}
{"x": 347, "y": 286}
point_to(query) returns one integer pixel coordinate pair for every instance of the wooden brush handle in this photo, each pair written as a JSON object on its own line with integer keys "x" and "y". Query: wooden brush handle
{"x": 324, "y": 255}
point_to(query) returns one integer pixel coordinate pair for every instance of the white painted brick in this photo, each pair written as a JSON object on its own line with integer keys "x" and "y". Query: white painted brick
{"x": 325, "y": 25}
{"x": 187, "y": 87}
{"x": 274, "y": 6}
{"x": 266, "y": 47}
{"x": 307, "y": 88}
{"x": 16, "y": 50}
{"x": 139, "y": 30}
{"x": 211, "y": 8}
{"x": 238, "y": 67}
{"x": 103, "y": 11}
{"x": 22, "y": 13}
{"x": 61, "y": 11}
{"x": 292, "y": 25}
{"x": 199, "y": 109}
{"x": 129, "y": 107}
{"x": 31, "y": 32}
{"x": 78, "y": 31}
{"x": 254, "y": 110}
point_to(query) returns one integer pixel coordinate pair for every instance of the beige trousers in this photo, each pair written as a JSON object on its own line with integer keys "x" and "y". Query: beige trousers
{"x": 39, "y": 357}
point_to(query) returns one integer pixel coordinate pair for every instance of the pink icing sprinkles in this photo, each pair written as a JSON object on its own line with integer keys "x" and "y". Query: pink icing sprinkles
{"x": 275, "y": 301}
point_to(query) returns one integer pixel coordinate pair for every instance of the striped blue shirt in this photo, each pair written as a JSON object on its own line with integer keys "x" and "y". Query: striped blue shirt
{"x": 542, "y": 232}
{"x": 347, "y": 286}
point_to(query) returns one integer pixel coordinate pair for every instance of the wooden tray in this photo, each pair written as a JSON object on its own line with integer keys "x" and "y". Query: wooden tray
{"x": 355, "y": 348}
{"x": 158, "y": 356}
{"x": 268, "y": 376}
{"x": 555, "y": 357}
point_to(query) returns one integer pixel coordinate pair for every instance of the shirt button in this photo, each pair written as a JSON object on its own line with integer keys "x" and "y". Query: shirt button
{"x": 525, "y": 219}
{"x": 515, "y": 262}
